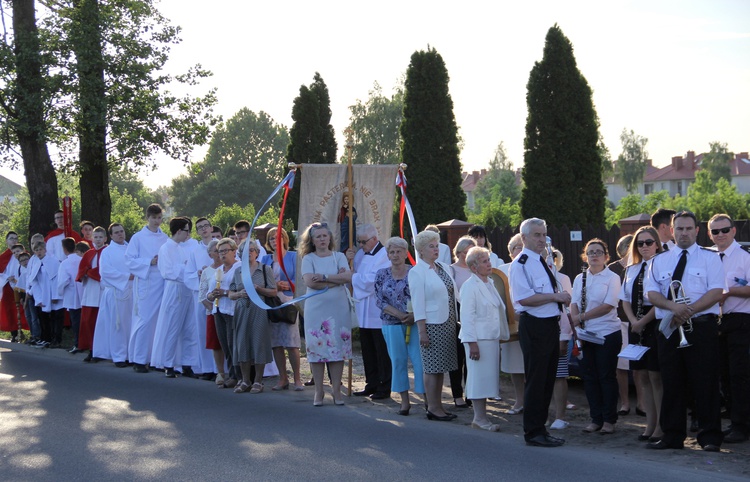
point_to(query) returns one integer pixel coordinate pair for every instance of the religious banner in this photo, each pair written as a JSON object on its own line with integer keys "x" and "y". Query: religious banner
{"x": 325, "y": 198}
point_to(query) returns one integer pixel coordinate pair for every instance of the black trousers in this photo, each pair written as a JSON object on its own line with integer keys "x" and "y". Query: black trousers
{"x": 458, "y": 376}
{"x": 734, "y": 343}
{"x": 376, "y": 360}
{"x": 698, "y": 367}
{"x": 539, "y": 338}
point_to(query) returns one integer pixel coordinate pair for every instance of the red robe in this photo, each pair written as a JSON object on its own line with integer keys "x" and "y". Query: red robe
{"x": 8, "y": 311}
{"x": 88, "y": 313}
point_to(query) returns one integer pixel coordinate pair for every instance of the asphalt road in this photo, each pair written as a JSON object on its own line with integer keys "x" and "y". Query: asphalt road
{"x": 61, "y": 419}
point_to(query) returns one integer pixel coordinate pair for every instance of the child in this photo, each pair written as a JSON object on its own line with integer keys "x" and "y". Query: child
{"x": 67, "y": 288}
{"x": 42, "y": 281}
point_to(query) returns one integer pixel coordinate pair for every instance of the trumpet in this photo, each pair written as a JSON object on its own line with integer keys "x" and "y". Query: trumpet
{"x": 677, "y": 291}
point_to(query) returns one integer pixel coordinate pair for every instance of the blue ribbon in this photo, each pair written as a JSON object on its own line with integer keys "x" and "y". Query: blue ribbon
{"x": 247, "y": 278}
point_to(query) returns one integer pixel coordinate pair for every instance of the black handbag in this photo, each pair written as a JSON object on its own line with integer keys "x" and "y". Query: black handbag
{"x": 287, "y": 314}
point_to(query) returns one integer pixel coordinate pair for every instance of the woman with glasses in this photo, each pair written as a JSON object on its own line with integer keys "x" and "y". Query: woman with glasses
{"x": 223, "y": 306}
{"x": 642, "y": 319}
{"x": 594, "y": 308}
{"x": 328, "y": 316}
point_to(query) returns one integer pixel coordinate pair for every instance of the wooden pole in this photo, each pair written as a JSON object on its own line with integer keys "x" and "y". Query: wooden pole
{"x": 350, "y": 184}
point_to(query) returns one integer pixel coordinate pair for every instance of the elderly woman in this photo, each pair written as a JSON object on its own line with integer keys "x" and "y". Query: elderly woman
{"x": 594, "y": 306}
{"x": 392, "y": 296}
{"x": 642, "y": 317}
{"x": 511, "y": 361}
{"x": 483, "y": 325}
{"x": 480, "y": 236}
{"x": 284, "y": 335}
{"x": 328, "y": 330}
{"x": 223, "y": 306}
{"x": 252, "y": 330}
{"x": 433, "y": 297}
{"x": 460, "y": 272}
{"x": 208, "y": 280}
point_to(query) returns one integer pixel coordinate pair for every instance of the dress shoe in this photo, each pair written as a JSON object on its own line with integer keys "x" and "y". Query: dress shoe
{"x": 445, "y": 418}
{"x": 623, "y": 412}
{"x": 88, "y": 358}
{"x": 209, "y": 376}
{"x": 278, "y": 388}
{"x": 404, "y": 412}
{"x": 361, "y": 393}
{"x": 138, "y": 368}
{"x": 735, "y": 437}
{"x": 169, "y": 372}
{"x": 640, "y": 412}
{"x": 711, "y": 448}
{"x": 544, "y": 441}
{"x": 663, "y": 445}
{"x": 310, "y": 382}
{"x": 379, "y": 396}
{"x": 73, "y": 350}
{"x": 188, "y": 372}
{"x": 121, "y": 364}
{"x": 644, "y": 438}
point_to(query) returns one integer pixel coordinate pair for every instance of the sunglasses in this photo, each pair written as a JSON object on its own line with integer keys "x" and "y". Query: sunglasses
{"x": 647, "y": 242}
{"x": 318, "y": 225}
{"x": 721, "y": 230}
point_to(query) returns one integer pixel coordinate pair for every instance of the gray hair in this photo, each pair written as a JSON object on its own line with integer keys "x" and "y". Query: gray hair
{"x": 424, "y": 238}
{"x": 623, "y": 245}
{"x": 527, "y": 224}
{"x": 472, "y": 257}
{"x": 212, "y": 245}
{"x": 367, "y": 230}
{"x": 463, "y": 244}
{"x": 396, "y": 242}
{"x": 514, "y": 241}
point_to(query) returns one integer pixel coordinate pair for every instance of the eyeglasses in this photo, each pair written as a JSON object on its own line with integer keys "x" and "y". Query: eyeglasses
{"x": 225, "y": 251}
{"x": 240, "y": 233}
{"x": 597, "y": 252}
{"x": 203, "y": 226}
{"x": 647, "y": 242}
{"x": 721, "y": 230}
{"x": 359, "y": 241}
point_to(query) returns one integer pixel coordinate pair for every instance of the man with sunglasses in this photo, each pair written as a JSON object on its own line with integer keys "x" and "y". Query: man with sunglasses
{"x": 697, "y": 365}
{"x": 734, "y": 331}
{"x": 370, "y": 258}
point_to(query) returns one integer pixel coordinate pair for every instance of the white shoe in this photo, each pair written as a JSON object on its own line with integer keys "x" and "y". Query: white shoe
{"x": 559, "y": 424}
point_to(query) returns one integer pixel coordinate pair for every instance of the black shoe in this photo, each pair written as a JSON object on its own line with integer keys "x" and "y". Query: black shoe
{"x": 734, "y": 437}
{"x": 88, "y": 358}
{"x": 379, "y": 396}
{"x": 446, "y": 418}
{"x": 404, "y": 412}
{"x": 544, "y": 441}
{"x": 169, "y": 373}
{"x": 73, "y": 350}
{"x": 188, "y": 372}
{"x": 644, "y": 438}
{"x": 662, "y": 445}
{"x": 711, "y": 448}
{"x": 362, "y": 393}
{"x": 556, "y": 439}
{"x": 121, "y": 364}
{"x": 138, "y": 368}
{"x": 96, "y": 359}
{"x": 310, "y": 382}
{"x": 640, "y": 412}
{"x": 208, "y": 376}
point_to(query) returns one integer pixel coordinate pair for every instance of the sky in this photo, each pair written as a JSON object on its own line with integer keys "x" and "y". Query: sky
{"x": 675, "y": 72}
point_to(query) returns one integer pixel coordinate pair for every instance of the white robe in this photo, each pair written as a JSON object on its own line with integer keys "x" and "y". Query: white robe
{"x": 43, "y": 282}
{"x": 175, "y": 339}
{"x": 11, "y": 271}
{"x": 92, "y": 290}
{"x": 54, "y": 247}
{"x": 148, "y": 287}
{"x": 198, "y": 260}
{"x": 363, "y": 282}
{"x": 67, "y": 288}
{"x": 112, "y": 333}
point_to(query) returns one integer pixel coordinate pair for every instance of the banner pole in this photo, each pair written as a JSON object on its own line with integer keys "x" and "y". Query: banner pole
{"x": 349, "y": 184}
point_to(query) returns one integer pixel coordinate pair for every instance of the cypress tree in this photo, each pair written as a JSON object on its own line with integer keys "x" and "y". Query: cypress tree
{"x": 311, "y": 138}
{"x": 429, "y": 142}
{"x": 562, "y": 165}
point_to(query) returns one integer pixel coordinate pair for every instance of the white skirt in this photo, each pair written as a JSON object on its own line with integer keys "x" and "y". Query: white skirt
{"x": 483, "y": 378}
{"x": 512, "y": 361}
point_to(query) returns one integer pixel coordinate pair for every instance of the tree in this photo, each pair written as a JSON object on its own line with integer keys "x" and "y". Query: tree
{"x": 375, "y": 125}
{"x": 429, "y": 141}
{"x": 500, "y": 179}
{"x": 631, "y": 163}
{"x": 126, "y": 181}
{"x": 706, "y": 198}
{"x": 716, "y": 162}
{"x": 312, "y": 139}
{"x": 247, "y": 150}
{"x": 561, "y": 157}
{"x": 24, "y": 97}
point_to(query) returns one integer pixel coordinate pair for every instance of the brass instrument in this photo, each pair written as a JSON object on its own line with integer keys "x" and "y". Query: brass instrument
{"x": 678, "y": 296}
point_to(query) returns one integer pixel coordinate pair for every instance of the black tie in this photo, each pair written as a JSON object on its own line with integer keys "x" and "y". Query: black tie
{"x": 721, "y": 256}
{"x": 665, "y": 246}
{"x": 679, "y": 269}
{"x": 551, "y": 279}
{"x": 636, "y": 295}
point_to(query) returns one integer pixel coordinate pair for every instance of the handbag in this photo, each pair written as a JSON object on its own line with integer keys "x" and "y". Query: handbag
{"x": 287, "y": 314}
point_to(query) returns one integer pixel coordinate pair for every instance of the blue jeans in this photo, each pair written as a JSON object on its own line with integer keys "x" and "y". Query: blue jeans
{"x": 400, "y": 354}
{"x": 32, "y": 318}
{"x": 599, "y": 364}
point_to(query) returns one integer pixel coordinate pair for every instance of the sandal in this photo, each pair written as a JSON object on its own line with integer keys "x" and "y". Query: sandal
{"x": 220, "y": 380}
{"x": 242, "y": 388}
{"x": 257, "y": 388}
{"x": 489, "y": 426}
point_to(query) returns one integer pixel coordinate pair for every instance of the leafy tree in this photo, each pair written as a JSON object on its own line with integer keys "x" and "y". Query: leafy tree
{"x": 562, "y": 160}
{"x": 706, "y": 198}
{"x": 716, "y": 162}
{"x": 127, "y": 181}
{"x": 608, "y": 168}
{"x": 247, "y": 150}
{"x": 127, "y": 211}
{"x": 429, "y": 141}
{"x": 225, "y": 216}
{"x": 500, "y": 180}
{"x": 375, "y": 126}
{"x": 312, "y": 139}
{"x": 631, "y": 163}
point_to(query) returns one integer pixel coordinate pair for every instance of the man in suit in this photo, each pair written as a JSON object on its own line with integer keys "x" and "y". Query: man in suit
{"x": 536, "y": 297}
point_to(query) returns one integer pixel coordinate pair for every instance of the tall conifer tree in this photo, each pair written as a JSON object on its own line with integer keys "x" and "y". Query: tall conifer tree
{"x": 562, "y": 165}
{"x": 429, "y": 142}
